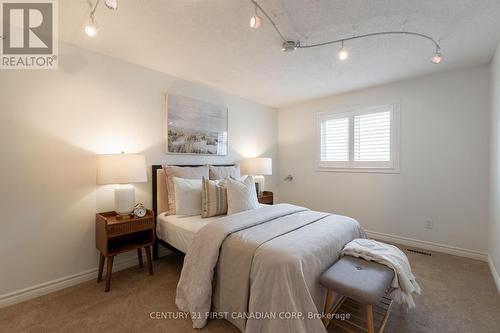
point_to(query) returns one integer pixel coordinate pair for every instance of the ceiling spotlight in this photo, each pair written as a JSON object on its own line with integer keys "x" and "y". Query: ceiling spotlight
{"x": 289, "y": 46}
{"x": 111, "y": 4}
{"x": 255, "y": 20}
{"x": 438, "y": 56}
{"x": 91, "y": 28}
{"x": 342, "y": 54}
{"x": 91, "y": 25}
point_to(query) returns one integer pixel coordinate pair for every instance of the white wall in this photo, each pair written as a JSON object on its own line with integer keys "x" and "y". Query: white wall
{"x": 444, "y": 161}
{"x": 52, "y": 125}
{"x": 494, "y": 231}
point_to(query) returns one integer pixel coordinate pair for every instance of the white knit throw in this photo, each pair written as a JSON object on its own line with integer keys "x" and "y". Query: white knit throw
{"x": 404, "y": 283}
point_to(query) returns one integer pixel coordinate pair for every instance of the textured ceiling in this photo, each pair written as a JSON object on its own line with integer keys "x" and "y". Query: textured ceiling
{"x": 210, "y": 41}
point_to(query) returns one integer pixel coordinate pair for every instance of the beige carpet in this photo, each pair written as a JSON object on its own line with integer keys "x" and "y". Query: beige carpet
{"x": 458, "y": 296}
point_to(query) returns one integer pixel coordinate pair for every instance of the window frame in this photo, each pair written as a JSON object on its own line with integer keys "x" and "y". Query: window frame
{"x": 393, "y": 166}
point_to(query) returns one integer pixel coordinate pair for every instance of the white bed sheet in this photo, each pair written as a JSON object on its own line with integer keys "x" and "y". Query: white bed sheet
{"x": 179, "y": 230}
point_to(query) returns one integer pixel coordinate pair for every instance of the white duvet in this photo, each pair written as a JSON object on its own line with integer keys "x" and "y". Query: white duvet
{"x": 268, "y": 262}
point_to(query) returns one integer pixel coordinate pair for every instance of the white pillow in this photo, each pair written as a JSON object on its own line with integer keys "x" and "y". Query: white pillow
{"x": 187, "y": 196}
{"x": 241, "y": 195}
{"x": 180, "y": 172}
{"x": 222, "y": 172}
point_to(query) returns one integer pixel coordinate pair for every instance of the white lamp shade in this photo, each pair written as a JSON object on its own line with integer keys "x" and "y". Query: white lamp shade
{"x": 121, "y": 169}
{"x": 259, "y": 166}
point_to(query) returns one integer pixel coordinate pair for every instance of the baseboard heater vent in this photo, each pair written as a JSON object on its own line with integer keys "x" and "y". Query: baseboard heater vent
{"x": 420, "y": 252}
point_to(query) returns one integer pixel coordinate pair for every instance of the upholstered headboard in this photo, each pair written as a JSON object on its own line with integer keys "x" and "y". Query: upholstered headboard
{"x": 160, "y": 186}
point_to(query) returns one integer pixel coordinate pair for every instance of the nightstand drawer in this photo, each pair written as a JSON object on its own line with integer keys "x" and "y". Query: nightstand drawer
{"x": 129, "y": 227}
{"x": 266, "y": 198}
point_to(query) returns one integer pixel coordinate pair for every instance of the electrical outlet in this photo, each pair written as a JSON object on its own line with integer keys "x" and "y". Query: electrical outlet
{"x": 429, "y": 224}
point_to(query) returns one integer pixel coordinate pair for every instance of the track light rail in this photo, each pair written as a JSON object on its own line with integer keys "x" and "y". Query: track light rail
{"x": 291, "y": 45}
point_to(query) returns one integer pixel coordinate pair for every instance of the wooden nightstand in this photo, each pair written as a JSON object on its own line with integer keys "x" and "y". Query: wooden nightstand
{"x": 266, "y": 198}
{"x": 117, "y": 234}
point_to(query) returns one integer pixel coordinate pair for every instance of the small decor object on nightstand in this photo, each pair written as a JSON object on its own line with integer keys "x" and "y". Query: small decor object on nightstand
{"x": 116, "y": 234}
{"x": 139, "y": 210}
{"x": 266, "y": 198}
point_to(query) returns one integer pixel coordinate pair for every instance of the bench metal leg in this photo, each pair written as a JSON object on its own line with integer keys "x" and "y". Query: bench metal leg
{"x": 369, "y": 318}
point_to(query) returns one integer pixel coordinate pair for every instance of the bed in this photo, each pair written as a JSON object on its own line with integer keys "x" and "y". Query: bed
{"x": 258, "y": 269}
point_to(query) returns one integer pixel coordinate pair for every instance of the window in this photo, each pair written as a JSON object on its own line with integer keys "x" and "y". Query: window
{"x": 365, "y": 139}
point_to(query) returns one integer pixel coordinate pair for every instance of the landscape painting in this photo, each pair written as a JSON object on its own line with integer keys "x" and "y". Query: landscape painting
{"x": 194, "y": 127}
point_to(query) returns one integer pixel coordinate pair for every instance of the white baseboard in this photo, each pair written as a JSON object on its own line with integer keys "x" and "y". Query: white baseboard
{"x": 494, "y": 273}
{"x": 431, "y": 246}
{"x": 67, "y": 281}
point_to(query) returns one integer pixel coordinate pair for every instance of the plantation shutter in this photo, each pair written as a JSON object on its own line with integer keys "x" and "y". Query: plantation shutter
{"x": 335, "y": 140}
{"x": 372, "y": 137}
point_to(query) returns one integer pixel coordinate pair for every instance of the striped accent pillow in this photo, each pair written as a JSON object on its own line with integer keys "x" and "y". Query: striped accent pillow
{"x": 213, "y": 197}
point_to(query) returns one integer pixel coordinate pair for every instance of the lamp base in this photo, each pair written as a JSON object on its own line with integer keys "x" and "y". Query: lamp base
{"x": 124, "y": 199}
{"x": 260, "y": 183}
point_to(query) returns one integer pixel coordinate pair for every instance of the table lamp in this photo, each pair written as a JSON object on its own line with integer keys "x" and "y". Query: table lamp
{"x": 122, "y": 169}
{"x": 258, "y": 167}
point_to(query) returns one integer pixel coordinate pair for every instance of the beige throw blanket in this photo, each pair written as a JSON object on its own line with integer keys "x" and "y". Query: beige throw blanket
{"x": 404, "y": 282}
{"x": 264, "y": 262}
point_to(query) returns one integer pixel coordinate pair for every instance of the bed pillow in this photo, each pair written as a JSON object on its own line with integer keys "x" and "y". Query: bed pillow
{"x": 187, "y": 196}
{"x": 213, "y": 198}
{"x": 180, "y": 172}
{"x": 223, "y": 172}
{"x": 241, "y": 195}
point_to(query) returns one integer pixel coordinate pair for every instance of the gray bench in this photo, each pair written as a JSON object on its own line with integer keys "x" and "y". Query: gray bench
{"x": 363, "y": 281}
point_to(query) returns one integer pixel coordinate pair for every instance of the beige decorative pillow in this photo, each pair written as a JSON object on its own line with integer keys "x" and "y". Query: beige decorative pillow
{"x": 213, "y": 197}
{"x": 223, "y": 172}
{"x": 241, "y": 195}
{"x": 180, "y": 172}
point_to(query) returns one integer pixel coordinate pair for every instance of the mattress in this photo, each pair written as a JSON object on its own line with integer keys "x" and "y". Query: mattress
{"x": 179, "y": 230}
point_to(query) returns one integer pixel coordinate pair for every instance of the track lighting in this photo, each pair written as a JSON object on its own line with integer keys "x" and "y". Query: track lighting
{"x": 91, "y": 27}
{"x": 289, "y": 46}
{"x": 111, "y": 4}
{"x": 255, "y": 20}
{"x": 437, "y": 57}
{"x": 342, "y": 54}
